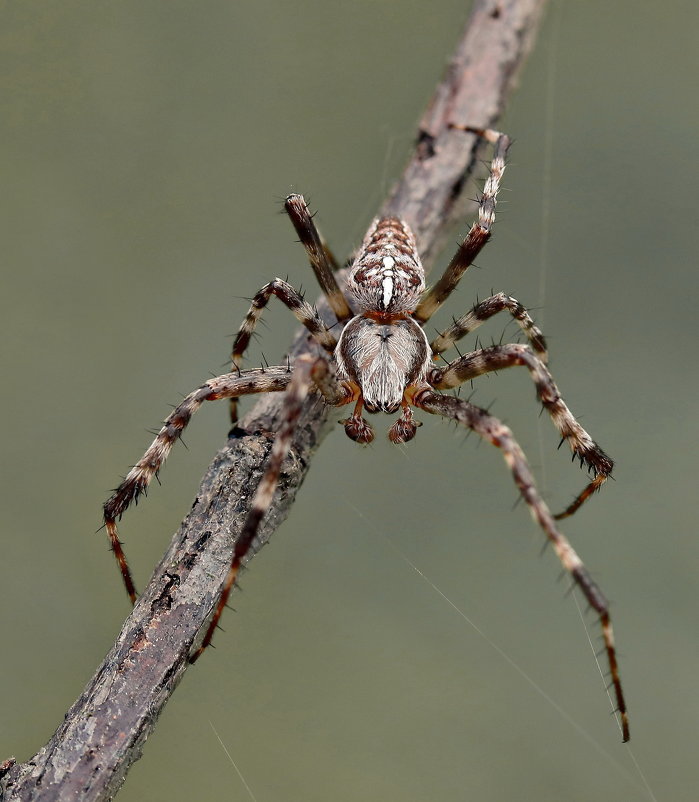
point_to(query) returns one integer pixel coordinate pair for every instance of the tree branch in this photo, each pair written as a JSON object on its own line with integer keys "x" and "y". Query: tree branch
{"x": 104, "y": 731}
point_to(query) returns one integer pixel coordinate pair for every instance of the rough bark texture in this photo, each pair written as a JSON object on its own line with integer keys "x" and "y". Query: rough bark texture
{"x": 104, "y": 731}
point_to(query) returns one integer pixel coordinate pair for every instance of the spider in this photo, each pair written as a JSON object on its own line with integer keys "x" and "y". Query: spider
{"x": 379, "y": 359}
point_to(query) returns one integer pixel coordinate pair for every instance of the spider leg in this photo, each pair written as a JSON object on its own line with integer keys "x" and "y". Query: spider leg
{"x": 478, "y": 234}
{"x": 308, "y": 372}
{"x": 321, "y": 258}
{"x": 483, "y": 311}
{"x": 136, "y": 482}
{"x": 493, "y": 430}
{"x": 498, "y": 357}
{"x": 302, "y": 310}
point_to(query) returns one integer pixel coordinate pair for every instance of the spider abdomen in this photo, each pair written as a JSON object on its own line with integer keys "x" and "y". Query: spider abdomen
{"x": 387, "y": 275}
{"x": 382, "y": 358}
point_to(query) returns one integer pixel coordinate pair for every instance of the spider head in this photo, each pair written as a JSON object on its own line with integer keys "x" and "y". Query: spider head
{"x": 381, "y": 359}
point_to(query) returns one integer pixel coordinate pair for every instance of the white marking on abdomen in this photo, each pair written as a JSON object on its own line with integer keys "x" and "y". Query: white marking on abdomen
{"x": 387, "y": 289}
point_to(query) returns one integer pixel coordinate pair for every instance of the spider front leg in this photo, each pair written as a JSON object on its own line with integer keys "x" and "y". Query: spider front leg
{"x": 308, "y": 372}
{"x": 483, "y": 311}
{"x": 497, "y": 357}
{"x": 141, "y": 475}
{"x": 493, "y": 430}
{"x": 302, "y": 310}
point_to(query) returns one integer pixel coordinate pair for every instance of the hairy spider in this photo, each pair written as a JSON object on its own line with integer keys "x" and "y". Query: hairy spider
{"x": 382, "y": 361}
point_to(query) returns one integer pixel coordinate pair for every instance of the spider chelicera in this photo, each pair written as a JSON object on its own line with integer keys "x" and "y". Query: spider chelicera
{"x": 379, "y": 359}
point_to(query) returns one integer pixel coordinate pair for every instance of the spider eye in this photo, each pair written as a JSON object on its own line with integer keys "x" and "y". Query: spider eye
{"x": 386, "y": 406}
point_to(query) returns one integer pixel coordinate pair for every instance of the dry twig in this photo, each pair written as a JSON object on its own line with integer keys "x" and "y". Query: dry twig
{"x": 104, "y": 731}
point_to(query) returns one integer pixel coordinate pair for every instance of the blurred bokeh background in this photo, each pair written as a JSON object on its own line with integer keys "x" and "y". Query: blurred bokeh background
{"x": 146, "y": 147}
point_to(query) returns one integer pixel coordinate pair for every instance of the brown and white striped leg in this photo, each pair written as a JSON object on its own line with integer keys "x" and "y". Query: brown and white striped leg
{"x": 302, "y": 310}
{"x": 305, "y": 369}
{"x": 498, "y": 357}
{"x": 479, "y": 233}
{"x": 274, "y": 379}
{"x": 483, "y": 311}
{"x": 493, "y": 430}
{"x": 319, "y": 255}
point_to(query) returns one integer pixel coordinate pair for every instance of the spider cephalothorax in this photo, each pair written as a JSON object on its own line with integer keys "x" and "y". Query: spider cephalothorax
{"x": 382, "y": 361}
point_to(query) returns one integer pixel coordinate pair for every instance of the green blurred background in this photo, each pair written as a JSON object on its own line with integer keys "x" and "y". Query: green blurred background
{"x": 146, "y": 147}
